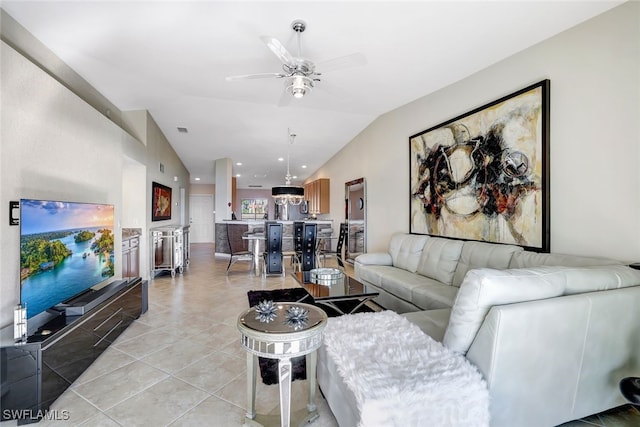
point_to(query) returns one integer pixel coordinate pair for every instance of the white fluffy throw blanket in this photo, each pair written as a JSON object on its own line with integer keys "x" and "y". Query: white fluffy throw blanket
{"x": 402, "y": 377}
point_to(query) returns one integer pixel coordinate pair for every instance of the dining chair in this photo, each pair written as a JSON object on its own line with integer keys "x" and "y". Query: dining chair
{"x": 308, "y": 256}
{"x": 272, "y": 255}
{"x": 295, "y": 254}
{"x": 339, "y": 246}
{"x": 323, "y": 253}
{"x": 237, "y": 245}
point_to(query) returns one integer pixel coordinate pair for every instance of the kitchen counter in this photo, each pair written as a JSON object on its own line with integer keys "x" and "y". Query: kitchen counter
{"x": 128, "y": 233}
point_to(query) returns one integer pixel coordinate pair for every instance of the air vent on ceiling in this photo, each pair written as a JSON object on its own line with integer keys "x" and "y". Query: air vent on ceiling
{"x": 255, "y": 186}
{"x": 183, "y": 129}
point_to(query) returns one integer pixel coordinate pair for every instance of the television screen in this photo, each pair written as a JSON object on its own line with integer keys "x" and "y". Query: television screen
{"x": 65, "y": 248}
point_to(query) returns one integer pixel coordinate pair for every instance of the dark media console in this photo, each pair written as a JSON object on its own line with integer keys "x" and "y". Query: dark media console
{"x": 34, "y": 374}
{"x": 90, "y": 299}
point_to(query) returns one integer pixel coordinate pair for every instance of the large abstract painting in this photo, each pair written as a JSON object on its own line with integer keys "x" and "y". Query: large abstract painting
{"x": 484, "y": 175}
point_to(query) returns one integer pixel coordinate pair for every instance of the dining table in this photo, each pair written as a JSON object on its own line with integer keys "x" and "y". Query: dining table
{"x": 256, "y": 246}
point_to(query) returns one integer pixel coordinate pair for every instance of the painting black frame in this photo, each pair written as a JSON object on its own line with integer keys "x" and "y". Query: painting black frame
{"x": 419, "y": 167}
{"x": 157, "y": 192}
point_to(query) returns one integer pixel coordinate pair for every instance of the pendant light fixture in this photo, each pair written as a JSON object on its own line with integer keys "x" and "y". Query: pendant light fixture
{"x": 288, "y": 194}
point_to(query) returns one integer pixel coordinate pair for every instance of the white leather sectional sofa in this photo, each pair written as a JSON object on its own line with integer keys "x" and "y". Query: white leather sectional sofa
{"x": 423, "y": 273}
{"x": 551, "y": 334}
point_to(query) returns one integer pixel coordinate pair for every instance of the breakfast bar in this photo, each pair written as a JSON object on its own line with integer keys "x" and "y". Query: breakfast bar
{"x": 257, "y": 226}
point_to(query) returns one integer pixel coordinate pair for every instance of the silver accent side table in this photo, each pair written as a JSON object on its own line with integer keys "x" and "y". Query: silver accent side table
{"x": 282, "y": 340}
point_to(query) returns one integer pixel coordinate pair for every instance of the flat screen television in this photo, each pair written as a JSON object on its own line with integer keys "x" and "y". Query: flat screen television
{"x": 65, "y": 249}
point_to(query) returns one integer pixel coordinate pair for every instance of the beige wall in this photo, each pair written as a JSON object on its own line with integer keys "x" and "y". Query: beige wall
{"x": 594, "y": 70}
{"x": 56, "y": 146}
{"x": 202, "y": 189}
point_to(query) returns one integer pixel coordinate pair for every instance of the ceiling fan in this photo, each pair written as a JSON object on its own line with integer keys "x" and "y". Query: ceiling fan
{"x": 299, "y": 73}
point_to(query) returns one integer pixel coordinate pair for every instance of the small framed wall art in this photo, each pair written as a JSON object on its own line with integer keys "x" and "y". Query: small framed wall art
{"x": 484, "y": 175}
{"x": 160, "y": 202}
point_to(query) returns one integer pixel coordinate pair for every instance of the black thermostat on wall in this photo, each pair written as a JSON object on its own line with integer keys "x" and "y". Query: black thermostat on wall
{"x": 14, "y": 217}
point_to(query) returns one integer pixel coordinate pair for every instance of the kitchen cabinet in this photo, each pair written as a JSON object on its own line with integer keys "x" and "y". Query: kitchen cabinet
{"x": 130, "y": 258}
{"x": 317, "y": 193}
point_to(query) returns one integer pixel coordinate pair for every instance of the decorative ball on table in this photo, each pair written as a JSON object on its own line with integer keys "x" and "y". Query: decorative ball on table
{"x": 266, "y": 311}
{"x": 296, "y": 317}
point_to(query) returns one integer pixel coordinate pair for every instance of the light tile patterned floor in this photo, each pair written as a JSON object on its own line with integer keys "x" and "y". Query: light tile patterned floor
{"x": 181, "y": 363}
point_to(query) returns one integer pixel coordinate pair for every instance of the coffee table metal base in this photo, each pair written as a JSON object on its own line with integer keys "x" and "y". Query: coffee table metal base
{"x": 347, "y": 289}
{"x": 362, "y": 300}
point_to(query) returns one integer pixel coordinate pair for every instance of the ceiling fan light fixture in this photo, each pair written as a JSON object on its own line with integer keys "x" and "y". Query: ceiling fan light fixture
{"x": 299, "y": 86}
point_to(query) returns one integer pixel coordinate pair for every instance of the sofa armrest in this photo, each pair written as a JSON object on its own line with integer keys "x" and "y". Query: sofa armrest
{"x": 374, "y": 258}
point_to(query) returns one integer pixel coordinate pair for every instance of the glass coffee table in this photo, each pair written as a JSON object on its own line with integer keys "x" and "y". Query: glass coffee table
{"x": 343, "y": 294}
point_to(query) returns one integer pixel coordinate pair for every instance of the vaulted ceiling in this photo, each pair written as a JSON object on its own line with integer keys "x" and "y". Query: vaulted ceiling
{"x": 172, "y": 57}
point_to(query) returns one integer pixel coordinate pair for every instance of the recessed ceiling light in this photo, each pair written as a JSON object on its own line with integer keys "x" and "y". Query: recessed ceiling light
{"x": 281, "y": 159}
{"x": 183, "y": 129}
{"x": 239, "y": 164}
{"x": 238, "y": 175}
{"x": 303, "y": 166}
{"x": 294, "y": 177}
{"x": 196, "y": 179}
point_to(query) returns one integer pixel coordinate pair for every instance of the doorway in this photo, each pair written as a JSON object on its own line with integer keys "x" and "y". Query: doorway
{"x": 201, "y": 218}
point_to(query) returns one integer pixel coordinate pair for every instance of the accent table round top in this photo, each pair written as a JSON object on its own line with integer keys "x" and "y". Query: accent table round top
{"x": 278, "y": 337}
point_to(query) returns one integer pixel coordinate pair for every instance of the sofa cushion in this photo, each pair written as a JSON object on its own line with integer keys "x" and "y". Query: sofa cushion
{"x": 400, "y": 282}
{"x": 372, "y": 273}
{"x": 431, "y": 322}
{"x": 599, "y": 278}
{"x": 483, "y": 288}
{"x": 373, "y": 258}
{"x": 526, "y": 259}
{"x": 483, "y": 255}
{"x": 406, "y": 249}
{"x": 432, "y": 295}
{"x": 440, "y": 258}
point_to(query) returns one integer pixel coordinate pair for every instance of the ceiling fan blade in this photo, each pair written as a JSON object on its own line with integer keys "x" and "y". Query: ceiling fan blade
{"x": 353, "y": 60}
{"x": 279, "y": 50}
{"x": 285, "y": 99}
{"x": 254, "y": 76}
{"x": 337, "y": 93}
